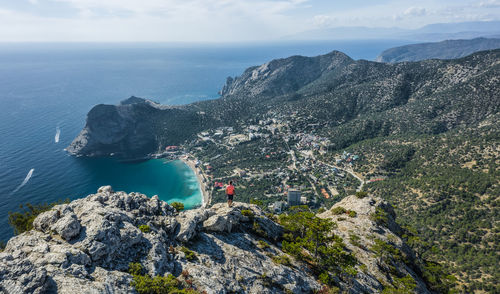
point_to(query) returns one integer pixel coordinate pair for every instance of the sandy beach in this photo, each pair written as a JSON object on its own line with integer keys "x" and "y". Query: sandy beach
{"x": 200, "y": 176}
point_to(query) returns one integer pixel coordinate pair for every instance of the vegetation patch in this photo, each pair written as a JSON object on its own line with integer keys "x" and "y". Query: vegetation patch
{"x": 22, "y": 221}
{"x": 190, "y": 255}
{"x": 282, "y": 259}
{"x": 179, "y": 206}
{"x": 354, "y": 239}
{"x": 402, "y": 285}
{"x": 145, "y": 228}
{"x": 247, "y": 213}
{"x": 145, "y": 284}
{"x": 361, "y": 194}
{"x": 263, "y": 244}
{"x": 379, "y": 216}
{"x": 338, "y": 210}
{"x": 309, "y": 238}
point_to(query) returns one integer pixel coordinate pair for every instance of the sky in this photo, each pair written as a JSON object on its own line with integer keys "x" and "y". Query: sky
{"x": 219, "y": 20}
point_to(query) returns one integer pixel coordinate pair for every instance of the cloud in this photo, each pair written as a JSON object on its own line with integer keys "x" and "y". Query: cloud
{"x": 219, "y": 20}
{"x": 489, "y": 4}
{"x": 158, "y": 20}
{"x": 324, "y": 20}
{"x": 415, "y": 11}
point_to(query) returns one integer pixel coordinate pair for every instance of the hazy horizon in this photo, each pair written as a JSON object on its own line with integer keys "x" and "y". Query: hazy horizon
{"x": 217, "y": 21}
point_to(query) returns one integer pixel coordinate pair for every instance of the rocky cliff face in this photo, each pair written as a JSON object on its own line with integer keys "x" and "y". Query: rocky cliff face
{"x": 130, "y": 129}
{"x": 283, "y": 76}
{"x": 374, "y": 224}
{"x": 87, "y": 246}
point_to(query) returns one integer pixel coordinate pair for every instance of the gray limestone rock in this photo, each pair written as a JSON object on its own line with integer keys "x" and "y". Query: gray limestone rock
{"x": 45, "y": 220}
{"x": 188, "y": 223}
{"x": 67, "y": 227}
{"x": 86, "y": 247}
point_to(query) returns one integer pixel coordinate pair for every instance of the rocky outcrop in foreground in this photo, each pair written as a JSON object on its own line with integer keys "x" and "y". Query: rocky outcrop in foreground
{"x": 86, "y": 247}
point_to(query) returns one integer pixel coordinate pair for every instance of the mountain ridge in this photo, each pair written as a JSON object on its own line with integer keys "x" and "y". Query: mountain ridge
{"x": 448, "y": 49}
{"x": 346, "y": 88}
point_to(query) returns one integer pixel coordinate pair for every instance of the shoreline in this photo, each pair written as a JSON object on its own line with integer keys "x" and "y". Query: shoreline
{"x": 205, "y": 195}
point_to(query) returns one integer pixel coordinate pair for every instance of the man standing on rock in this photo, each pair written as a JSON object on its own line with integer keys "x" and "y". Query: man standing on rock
{"x": 230, "y": 193}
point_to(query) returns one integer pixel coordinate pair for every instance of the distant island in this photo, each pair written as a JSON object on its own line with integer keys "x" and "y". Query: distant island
{"x": 449, "y": 49}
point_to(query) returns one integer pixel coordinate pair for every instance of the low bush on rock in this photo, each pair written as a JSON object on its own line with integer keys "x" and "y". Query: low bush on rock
{"x": 190, "y": 255}
{"x": 179, "y": 206}
{"x": 22, "y": 221}
{"x": 263, "y": 244}
{"x": 145, "y": 284}
{"x": 247, "y": 213}
{"x": 361, "y": 194}
{"x": 145, "y": 228}
{"x": 338, "y": 210}
{"x": 282, "y": 259}
{"x": 380, "y": 216}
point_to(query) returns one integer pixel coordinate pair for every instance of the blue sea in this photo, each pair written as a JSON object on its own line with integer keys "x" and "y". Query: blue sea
{"x": 47, "y": 89}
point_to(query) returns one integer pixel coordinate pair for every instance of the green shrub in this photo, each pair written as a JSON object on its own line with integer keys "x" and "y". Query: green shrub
{"x": 355, "y": 240}
{"x": 361, "y": 194}
{"x": 145, "y": 228}
{"x": 352, "y": 213}
{"x": 324, "y": 278}
{"x": 380, "y": 216}
{"x": 135, "y": 268}
{"x": 338, "y": 210}
{"x": 2, "y": 245}
{"x": 257, "y": 202}
{"x": 282, "y": 259}
{"x": 308, "y": 237}
{"x": 386, "y": 251}
{"x": 256, "y": 228}
{"x": 402, "y": 285}
{"x": 247, "y": 213}
{"x": 190, "y": 255}
{"x": 23, "y": 221}
{"x": 179, "y": 206}
{"x": 321, "y": 210}
{"x": 144, "y": 284}
{"x": 263, "y": 244}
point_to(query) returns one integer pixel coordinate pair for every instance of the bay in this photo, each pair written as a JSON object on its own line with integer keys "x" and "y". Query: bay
{"x": 46, "y": 91}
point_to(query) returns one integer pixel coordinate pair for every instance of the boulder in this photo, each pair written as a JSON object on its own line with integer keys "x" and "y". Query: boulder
{"x": 188, "y": 223}
{"x": 67, "y": 227}
{"x": 45, "y": 220}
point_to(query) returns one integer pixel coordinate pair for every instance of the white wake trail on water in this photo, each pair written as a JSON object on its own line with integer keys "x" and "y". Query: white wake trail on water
{"x": 28, "y": 177}
{"x": 58, "y": 133}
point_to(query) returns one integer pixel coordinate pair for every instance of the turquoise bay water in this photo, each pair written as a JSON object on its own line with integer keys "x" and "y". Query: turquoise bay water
{"x": 170, "y": 180}
{"x": 50, "y": 87}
